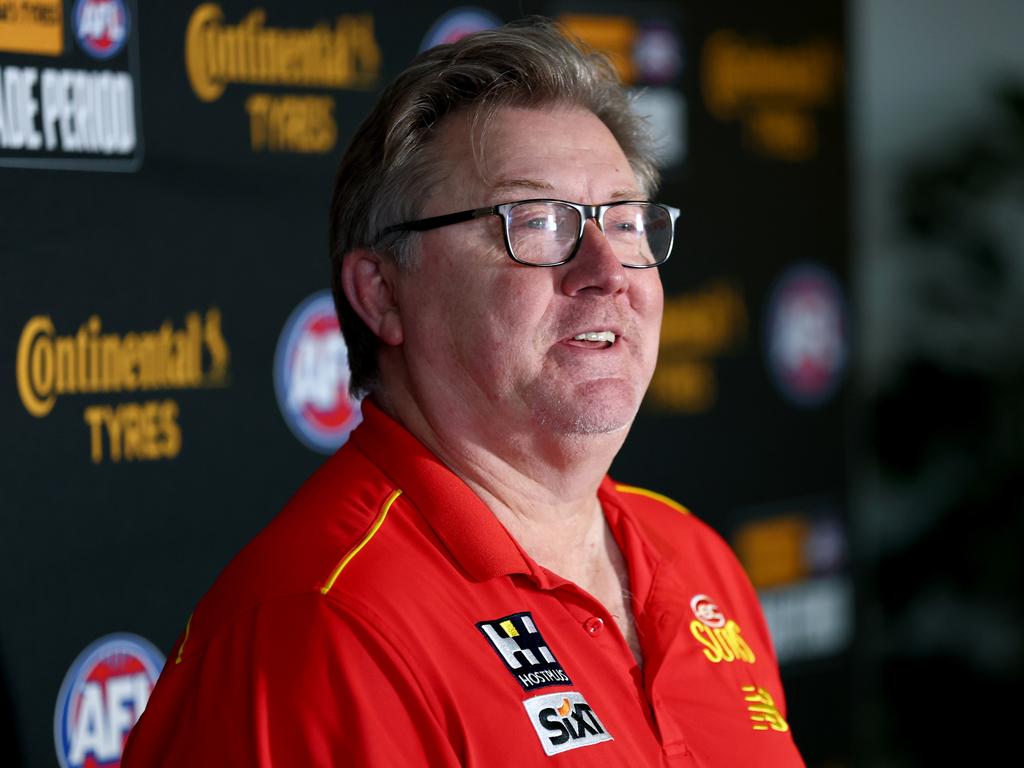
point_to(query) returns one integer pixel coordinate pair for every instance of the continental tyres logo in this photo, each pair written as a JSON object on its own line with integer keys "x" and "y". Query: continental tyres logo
{"x": 345, "y": 56}
{"x": 51, "y": 366}
{"x": 216, "y": 54}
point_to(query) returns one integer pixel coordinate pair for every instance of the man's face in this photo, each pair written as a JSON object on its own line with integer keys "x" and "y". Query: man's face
{"x": 492, "y": 343}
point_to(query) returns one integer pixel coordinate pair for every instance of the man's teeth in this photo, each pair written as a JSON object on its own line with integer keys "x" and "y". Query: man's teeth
{"x": 596, "y": 336}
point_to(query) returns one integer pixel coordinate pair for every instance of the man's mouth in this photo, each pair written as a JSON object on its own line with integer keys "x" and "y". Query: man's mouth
{"x": 595, "y": 339}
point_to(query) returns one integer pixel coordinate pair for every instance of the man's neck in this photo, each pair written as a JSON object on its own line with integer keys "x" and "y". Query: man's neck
{"x": 544, "y": 491}
{"x": 530, "y": 478}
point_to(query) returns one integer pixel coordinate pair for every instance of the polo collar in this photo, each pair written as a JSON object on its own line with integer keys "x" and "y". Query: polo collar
{"x": 467, "y": 527}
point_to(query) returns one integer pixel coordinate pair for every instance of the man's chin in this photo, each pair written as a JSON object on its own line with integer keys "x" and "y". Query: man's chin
{"x": 600, "y": 407}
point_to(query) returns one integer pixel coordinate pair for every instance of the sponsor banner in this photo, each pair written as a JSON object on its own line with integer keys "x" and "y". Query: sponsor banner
{"x": 806, "y": 335}
{"x": 252, "y": 54}
{"x": 311, "y": 376}
{"x": 36, "y": 27}
{"x": 647, "y": 50}
{"x": 810, "y": 620}
{"x": 564, "y": 721}
{"x": 75, "y": 106}
{"x": 52, "y": 366}
{"x": 698, "y": 328}
{"x": 796, "y": 554}
{"x": 774, "y": 91}
{"x": 103, "y": 695}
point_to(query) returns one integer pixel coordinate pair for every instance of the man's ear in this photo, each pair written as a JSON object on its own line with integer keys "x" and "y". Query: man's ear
{"x": 368, "y": 280}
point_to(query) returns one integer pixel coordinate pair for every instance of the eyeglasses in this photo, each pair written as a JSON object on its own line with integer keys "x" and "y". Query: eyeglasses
{"x": 547, "y": 233}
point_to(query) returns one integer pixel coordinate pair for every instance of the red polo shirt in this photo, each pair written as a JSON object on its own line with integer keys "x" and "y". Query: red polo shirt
{"x": 387, "y": 618}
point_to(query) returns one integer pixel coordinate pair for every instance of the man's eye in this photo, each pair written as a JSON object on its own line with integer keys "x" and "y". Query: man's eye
{"x": 545, "y": 223}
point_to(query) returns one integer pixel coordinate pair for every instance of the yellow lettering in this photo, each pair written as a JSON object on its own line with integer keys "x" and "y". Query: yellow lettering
{"x": 170, "y": 432}
{"x": 712, "y": 648}
{"x": 48, "y": 365}
{"x": 113, "y": 420}
{"x": 198, "y": 34}
{"x": 731, "y": 630}
{"x": 94, "y": 417}
{"x": 708, "y": 321}
{"x": 35, "y": 377}
{"x": 786, "y": 133}
{"x": 130, "y": 362}
{"x": 291, "y": 123}
{"x": 771, "y": 88}
{"x": 722, "y": 643}
{"x": 347, "y": 56}
{"x": 220, "y": 355}
{"x": 687, "y": 386}
{"x": 135, "y": 431}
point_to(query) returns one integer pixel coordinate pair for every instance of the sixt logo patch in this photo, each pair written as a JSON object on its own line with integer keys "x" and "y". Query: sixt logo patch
{"x": 521, "y": 647}
{"x": 311, "y": 376}
{"x": 101, "y": 698}
{"x": 101, "y": 27}
{"x": 806, "y": 335}
{"x": 458, "y": 23}
{"x": 564, "y": 721}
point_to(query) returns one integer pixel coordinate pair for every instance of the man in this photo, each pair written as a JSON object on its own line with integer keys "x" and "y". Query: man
{"x": 461, "y": 584}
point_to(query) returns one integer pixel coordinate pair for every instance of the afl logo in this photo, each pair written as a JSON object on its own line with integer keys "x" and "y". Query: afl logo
{"x": 101, "y": 27}
{"x": 101, "y": 698}
{"x": 311, "y": 376}
{"x": 458, "y": 23}
{"x": 806, "y": 335}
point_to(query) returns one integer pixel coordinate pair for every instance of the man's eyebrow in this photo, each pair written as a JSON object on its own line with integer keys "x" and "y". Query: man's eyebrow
{"x": 627, "y": 194}
{"x": 517, "y": 183}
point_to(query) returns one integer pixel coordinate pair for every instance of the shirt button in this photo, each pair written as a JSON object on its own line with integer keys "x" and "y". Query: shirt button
{"x": 593, "y": 625}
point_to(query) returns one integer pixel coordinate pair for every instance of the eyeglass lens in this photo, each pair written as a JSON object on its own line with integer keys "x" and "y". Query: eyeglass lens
{"x": 546, "y": 232}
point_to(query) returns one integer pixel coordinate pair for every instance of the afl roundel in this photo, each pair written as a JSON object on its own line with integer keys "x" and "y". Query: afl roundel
{"x": 311, "y": 376}
{"x": 806, "y": 335}
{"x": 101, "y": 27}
{"x": 101, "y": 698}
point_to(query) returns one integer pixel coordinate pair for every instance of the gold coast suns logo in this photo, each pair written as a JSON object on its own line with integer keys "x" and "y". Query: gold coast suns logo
{"x": 721, "y": 637}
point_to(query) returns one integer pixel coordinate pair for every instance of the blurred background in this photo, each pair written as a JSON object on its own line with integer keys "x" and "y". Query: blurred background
{"x": 840, "y": 390}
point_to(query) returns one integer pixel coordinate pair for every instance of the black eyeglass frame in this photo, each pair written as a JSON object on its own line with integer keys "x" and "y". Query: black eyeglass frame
{"x": 595, "y": 212}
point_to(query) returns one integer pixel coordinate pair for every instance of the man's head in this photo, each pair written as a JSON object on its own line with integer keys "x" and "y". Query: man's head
{"x": 393, "y": 164}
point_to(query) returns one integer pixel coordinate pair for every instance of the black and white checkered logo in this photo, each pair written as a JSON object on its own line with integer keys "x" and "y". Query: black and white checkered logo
{"x": 521, "y": 647}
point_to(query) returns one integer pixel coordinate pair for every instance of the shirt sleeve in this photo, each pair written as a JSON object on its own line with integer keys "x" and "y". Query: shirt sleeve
{"x": 297, "y": 681}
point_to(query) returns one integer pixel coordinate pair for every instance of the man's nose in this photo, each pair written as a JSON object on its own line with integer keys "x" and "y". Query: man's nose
{"x": 595, "y": 266}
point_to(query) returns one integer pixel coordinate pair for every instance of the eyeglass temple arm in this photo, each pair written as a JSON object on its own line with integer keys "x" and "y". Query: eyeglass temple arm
{"x": 434, "y": 222}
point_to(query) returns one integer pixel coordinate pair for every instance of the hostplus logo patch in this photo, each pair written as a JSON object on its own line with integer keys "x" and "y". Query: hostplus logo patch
{"x": 564, "y": 721}
{"x": 522, "y": 648}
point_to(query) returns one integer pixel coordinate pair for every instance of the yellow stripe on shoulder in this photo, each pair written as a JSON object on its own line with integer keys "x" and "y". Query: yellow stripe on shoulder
{"x": 188, "y": 628}
{"x": 652, "y": 495}
{"x": 385, "y": 507}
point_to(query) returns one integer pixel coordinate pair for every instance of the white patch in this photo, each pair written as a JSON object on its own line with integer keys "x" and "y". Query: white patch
{"x": 564, "y": 721}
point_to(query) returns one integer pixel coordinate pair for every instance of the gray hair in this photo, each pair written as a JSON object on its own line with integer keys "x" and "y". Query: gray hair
{"x": 389, "y": 167}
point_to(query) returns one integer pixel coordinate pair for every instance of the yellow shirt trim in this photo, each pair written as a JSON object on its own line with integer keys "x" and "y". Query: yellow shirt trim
{"x": 652, "y": 495}
{"x": 181, "y": 648}
{"x": 365, "y": 540}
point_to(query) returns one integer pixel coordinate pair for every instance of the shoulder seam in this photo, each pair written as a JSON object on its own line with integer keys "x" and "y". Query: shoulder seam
{"x": 636, "y": 491}
{"x": 377, "y": 523}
